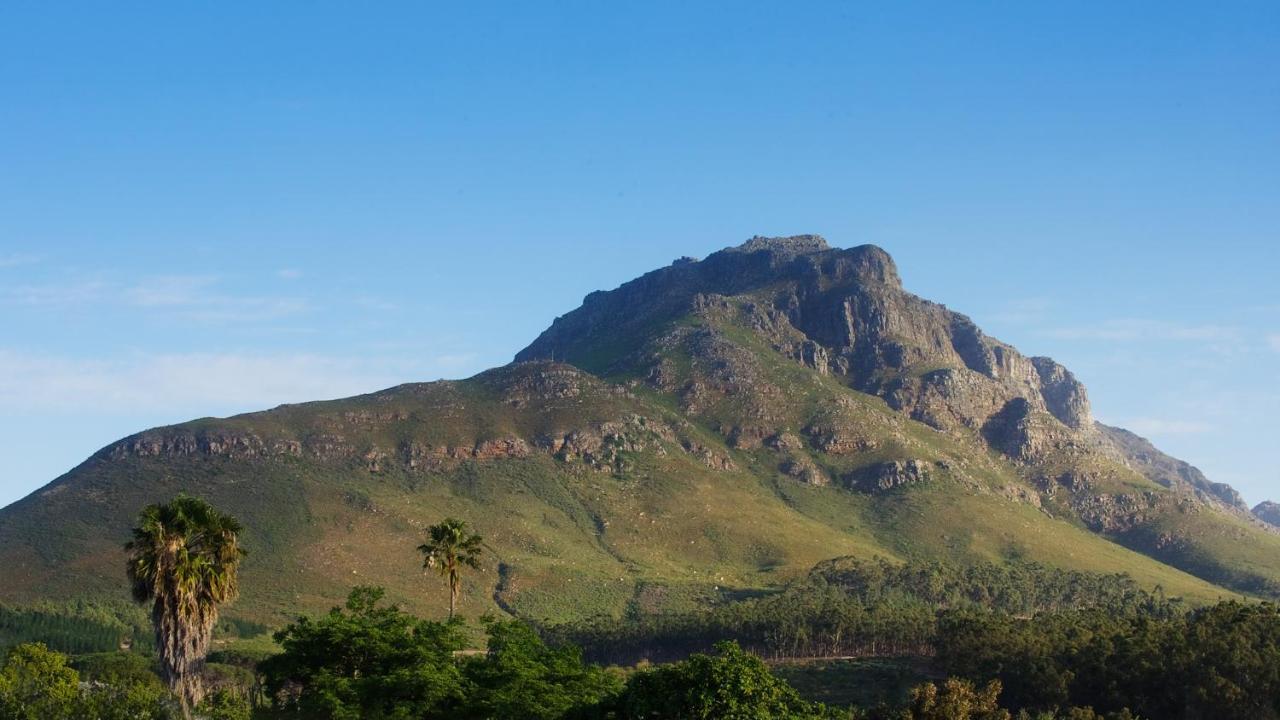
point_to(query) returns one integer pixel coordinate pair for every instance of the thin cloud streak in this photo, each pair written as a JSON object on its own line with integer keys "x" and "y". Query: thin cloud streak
{"x": 191, "y": 297}
{"x": 1136, "y": 330}
{"x": 18, "y": 259}
{"x": 1156, "y": 427}
{"x": 202, "y": 383}
{"x": 1026, "y": 311}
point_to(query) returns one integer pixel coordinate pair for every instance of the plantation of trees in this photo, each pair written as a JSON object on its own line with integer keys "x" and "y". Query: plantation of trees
{"x": 990, "y": 642}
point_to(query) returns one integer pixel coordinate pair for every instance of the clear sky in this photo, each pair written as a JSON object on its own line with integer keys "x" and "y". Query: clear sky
{"x": 208, "y": 208}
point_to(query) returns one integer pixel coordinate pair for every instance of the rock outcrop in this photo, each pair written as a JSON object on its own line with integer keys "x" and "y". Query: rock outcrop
{"x": 840, "y": 312}
{"x": 1268, "y": 512}
{"x": 888, "y": 475}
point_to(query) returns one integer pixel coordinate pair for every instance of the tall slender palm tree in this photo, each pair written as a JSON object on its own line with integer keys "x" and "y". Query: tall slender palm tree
{"x": 448, "y": 550}
{"x": 183, "y": 560}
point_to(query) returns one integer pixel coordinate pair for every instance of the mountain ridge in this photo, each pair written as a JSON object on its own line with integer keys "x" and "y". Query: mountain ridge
{"x": 715, "y": 426}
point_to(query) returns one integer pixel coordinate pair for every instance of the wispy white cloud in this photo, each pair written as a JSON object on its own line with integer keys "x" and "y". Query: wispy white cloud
{"x": 59, "y": 294}
{"x": 289, "y": 273}
{"x": 1274, "y": 342}
{"x": 1157, "y": 427}
{"x": 1022, "y": 312}
{"x": 203, "y": 383}
{"x": 376, "y": 304}
{"x": 1136, "y": 330}
{"x": 197, "y": 298}
{"x": 456, "y": 361}
{"x": 170, "y": 291}
{"x": 15, "y": 259}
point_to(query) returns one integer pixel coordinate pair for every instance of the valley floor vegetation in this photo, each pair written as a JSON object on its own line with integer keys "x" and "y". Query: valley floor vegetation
{"x": 871, "y": 639}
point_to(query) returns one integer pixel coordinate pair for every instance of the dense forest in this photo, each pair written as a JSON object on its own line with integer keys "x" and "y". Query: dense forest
{"x": 76, "y": 627}
{"x": 854, "y": 608}
{"x": 991, "y": 641}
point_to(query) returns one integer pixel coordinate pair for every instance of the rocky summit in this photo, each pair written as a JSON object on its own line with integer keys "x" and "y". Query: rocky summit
{"x": 711, "y": 428}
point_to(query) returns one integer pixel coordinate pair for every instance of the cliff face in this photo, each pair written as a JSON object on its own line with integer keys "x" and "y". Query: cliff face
{"x": 845, "y": 314}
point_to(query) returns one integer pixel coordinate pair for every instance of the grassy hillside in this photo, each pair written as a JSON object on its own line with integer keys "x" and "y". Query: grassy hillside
{"x": 705, "y": 447}
{"x": 655, "y": 528}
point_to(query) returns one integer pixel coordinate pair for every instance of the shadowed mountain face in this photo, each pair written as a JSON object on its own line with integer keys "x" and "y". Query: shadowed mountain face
{"x": 711, "y": 427}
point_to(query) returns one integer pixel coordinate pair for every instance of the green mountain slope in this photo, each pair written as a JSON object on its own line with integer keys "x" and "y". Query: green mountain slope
{"x": 709, "y": 430}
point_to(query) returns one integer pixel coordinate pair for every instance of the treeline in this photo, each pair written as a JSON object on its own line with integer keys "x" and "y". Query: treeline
{"x": 1221, "y": 661}
{"x": 37, "y": 683}
{"x": 1022, "y": 641}
{"x": 367, "y": 660}
{"x": 1051, "y": 640}
{"x": 1015, "y": 587}
{"x": 75, "y": 628}
{"x": 856, "y": 608}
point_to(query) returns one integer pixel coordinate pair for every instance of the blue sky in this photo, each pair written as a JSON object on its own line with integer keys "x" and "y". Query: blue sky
{"x": 215, "y": 208}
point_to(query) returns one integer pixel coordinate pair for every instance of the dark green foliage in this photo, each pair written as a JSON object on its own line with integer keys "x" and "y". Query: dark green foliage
{"x": 1061, "y": 644}
{"x": 1218, "y": 662}
{"x": 141, "y": 700}
{"x": 365, "y": 661}
{"x": 368, "y": 662}
{"x": 38, "y": 684}
{"x": 729, "y": 685}
{"x": 521, "y": 677}
{"x": 114, "y": 668}
{"x": 239, "y": 627}
{"x": 1015, "y": 587}
{"x": 74, "y": 627}
{"x": 224, "y": 705}
{"x": 856, "y": 608}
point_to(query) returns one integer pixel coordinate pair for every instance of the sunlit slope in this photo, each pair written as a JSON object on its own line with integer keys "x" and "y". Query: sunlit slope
{"x": 711, "y": 429}
{"x": 637, "y": 511}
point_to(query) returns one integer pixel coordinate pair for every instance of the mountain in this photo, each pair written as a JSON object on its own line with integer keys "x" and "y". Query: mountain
{"x": 711, "y": 429}
{"x": 1268, "y": 512}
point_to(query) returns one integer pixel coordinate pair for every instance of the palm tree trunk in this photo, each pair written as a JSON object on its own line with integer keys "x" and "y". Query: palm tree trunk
{"x": 453, "y": 592}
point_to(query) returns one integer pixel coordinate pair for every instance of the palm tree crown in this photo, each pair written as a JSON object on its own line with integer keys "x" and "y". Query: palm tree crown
{"x": 449, "y": 548}
{"x": 183, "y": 559}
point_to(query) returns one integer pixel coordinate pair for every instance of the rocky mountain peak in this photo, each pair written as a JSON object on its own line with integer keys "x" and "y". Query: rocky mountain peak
{"x": 844, "y": 313}
{"x": 1268, "y": 512}
{"x": 791, "y": 244}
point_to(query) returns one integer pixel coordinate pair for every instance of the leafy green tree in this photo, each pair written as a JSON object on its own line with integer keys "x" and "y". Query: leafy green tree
{"x": 521, "y": 677}
{"x": 956, "y": 700}
{"x": 37, "y": 684}
{"x": 129, "y": 699}
{"x": 729, "y": 685}
{"x": 448, "y": 549}
{"x": 224, "y": 704}
{"x": 365, "y": 662}
{"x": 183, "y": 559}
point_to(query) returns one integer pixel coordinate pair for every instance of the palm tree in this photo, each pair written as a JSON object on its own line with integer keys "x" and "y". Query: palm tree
{"x": 448, "y": 550}
{"x": 183, "y": 559}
